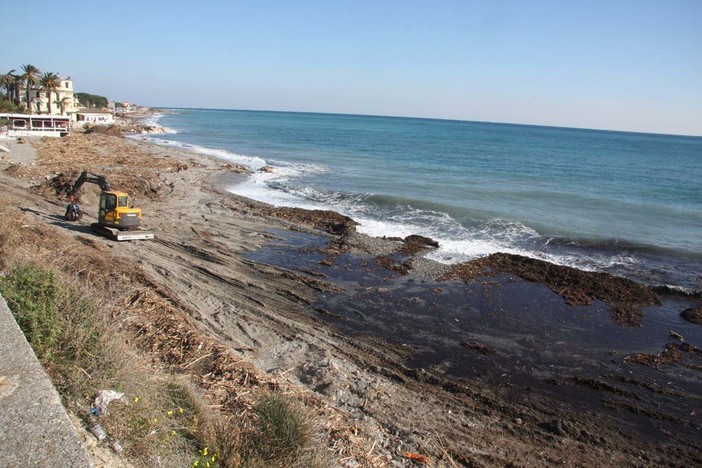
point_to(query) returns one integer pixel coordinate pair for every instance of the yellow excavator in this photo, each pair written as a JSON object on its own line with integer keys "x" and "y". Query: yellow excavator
{"x": 117, "y": 218}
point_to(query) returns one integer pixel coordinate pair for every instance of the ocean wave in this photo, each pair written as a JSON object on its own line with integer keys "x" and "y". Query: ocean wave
{"x": 618, "y": 245}
{"x": 670, "y": 289}
{"x": 458, "y": 242}
{"x": 153, "y": 121}
{"x": 252, "y": 162}
{"x": 378, "y": 217}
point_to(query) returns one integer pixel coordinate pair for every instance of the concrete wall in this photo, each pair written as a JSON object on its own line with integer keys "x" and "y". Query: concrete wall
{"x": 34, "y": 427}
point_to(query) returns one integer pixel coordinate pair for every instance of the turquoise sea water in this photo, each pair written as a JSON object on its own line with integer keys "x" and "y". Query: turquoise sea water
{"x": 625, "y": 203}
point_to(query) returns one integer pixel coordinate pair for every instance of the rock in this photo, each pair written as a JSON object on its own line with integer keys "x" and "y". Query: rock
{"x": 325, "y": 220}
{"x": 624, "y": 297}
{"x": 21, "y": 140}
{"x": 415, "y": 243}
{"x": 556, "y": 427}
{"x": 693, "y": 314}
{"x": 268, "y": 169}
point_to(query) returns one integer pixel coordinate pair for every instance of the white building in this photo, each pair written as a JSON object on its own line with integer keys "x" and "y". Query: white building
{"x": 36, "y": 125}
{"x": 95, "y": 116}
{"x": 63, "y": 100}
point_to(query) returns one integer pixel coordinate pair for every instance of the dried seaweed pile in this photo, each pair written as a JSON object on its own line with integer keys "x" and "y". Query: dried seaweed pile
{"x": 577, "y": 287}
{"x": 126, "y": 168}
{"x": 230, "y": 382}
{"x": 162, "y": 329}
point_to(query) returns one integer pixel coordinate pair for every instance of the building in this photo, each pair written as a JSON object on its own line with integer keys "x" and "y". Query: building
{"x": 36, "y": 125}
{"x": 63, "y": 100}
{"x": 95, "y": 116}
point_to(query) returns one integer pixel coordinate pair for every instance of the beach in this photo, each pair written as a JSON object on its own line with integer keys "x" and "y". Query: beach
{"x": 502, "y": 360}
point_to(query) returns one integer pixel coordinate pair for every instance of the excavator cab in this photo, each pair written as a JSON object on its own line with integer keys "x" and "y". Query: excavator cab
{"x": 115, "y": 211}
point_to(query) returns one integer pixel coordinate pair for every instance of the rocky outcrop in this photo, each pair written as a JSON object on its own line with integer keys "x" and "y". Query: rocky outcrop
{"x": 693, "y": 314}
{"x": 624, "y": 297}
{"x": 324, "y": 220}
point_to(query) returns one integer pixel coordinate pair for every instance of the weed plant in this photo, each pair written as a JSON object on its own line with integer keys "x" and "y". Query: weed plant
{"x": 283, "y": 430}
{"x": 162, "y": 419}
{"x": 62, "y": 327}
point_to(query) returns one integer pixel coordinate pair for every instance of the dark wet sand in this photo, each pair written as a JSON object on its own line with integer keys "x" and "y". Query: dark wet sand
{"x": 516, "y": 336}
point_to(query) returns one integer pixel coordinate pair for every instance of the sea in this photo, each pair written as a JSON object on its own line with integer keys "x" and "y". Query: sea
{"x": 629, "y": 204}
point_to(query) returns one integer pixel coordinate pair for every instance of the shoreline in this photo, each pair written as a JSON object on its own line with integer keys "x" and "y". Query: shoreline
{"x": 655, "y": 267}
{"x": 575, "y": 294}
{"x": 430, "y": 379}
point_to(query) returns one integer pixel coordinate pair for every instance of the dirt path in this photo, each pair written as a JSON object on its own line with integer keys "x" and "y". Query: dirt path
{"x": 271, "y": 315}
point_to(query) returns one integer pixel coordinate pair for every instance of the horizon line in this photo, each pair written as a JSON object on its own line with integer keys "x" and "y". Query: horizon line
{"x": 445, "y": 119}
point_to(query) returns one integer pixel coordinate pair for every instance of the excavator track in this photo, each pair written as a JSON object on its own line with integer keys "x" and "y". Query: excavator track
{"x": 116, "y": 234}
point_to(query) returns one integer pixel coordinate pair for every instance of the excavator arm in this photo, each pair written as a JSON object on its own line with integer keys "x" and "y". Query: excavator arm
{"x": 87, "y": 177}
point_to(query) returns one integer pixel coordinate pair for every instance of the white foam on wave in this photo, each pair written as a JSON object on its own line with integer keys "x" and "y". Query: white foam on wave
{"x": 153, "y": 121}
{"x": 454, "y": 246}
{"x": 252, "y": 162}
{"x": 256, "y": 187}
{"x": 457, "y": 243}
{"x": 275, "y": 188}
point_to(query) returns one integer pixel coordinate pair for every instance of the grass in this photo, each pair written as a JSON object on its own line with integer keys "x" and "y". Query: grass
{"x": 62, "y": 327}
{"x": 164, "y": 419}
{"x": 282, "y": 425}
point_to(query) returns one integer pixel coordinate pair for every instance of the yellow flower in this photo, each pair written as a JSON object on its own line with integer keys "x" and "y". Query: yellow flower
{"x": 213, "y": 458}
{"x": 172, "y": 432}
{"x": 170, "y": 413}
{"x": 136, "y": 399}
{"x": 180, "y": 409}
{"x": 196, "y": 463}
{"x": 204, "y": 452}
{"x": 207, "y": 464}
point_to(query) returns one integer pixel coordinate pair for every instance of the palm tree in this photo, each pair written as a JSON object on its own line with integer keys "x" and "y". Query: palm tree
{"x": 12, "y": 83}
{"x": 7, "y": 81}
{"x": 64, "y": 103}
{"x": 16, "y": 82}
{"x": 51, "y": 82}
{"x": 30, "y": 78}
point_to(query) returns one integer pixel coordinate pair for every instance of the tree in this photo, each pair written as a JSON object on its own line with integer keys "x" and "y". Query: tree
{"x": 7, "y": 81}
{"x": 64, "y": 103}
{"x": 51, "y": 82}
{"x": 7, "y": 106}
{"x": 30, "y": 78}
{"x": 91, "y": 100}
{"x": 16, "y": 82}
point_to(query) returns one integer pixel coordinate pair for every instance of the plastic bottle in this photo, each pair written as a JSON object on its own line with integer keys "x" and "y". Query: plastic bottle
{"x": 99, "y": 432}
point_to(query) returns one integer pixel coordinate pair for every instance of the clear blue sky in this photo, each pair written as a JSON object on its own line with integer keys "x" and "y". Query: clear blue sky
{"x": 623, "y": 65}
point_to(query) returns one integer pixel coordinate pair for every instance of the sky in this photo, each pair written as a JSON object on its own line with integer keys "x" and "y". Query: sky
{"x": 616, "y": 64}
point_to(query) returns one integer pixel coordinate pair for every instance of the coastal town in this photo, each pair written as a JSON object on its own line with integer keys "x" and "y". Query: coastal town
{"x": 45, "y": 104}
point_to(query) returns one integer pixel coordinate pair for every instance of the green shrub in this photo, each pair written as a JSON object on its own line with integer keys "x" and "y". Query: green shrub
{"x": 62, "y": 327}
{"x": 283, "y": 428}
{"x": 34, "y": 295}
{"x": 7, "y": 106}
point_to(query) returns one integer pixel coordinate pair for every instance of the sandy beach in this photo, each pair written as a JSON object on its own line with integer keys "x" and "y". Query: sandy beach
{"x": 500, "y": 361}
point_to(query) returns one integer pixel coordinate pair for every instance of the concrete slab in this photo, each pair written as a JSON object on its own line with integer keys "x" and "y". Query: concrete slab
{"x": 34, "y": 427}
{"x": 20, "y": 153}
